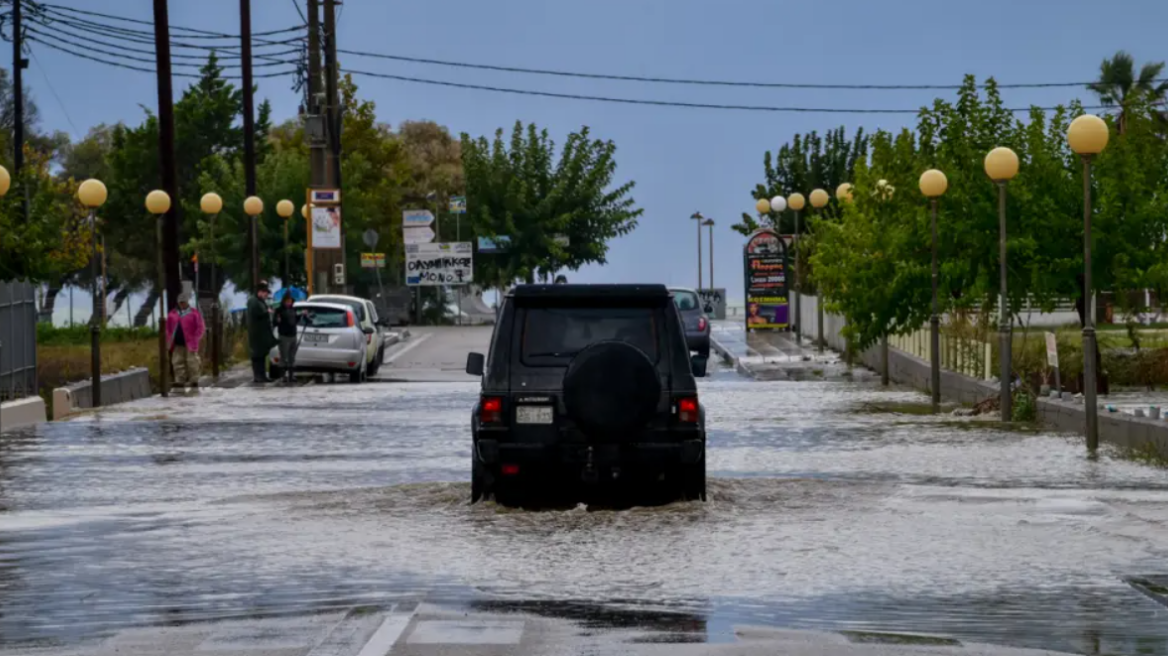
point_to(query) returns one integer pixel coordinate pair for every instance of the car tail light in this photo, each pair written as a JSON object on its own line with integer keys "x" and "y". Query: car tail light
{"x": 687, "y": 410}
{"x": 352, "y": 364}
{"x": 491, "y": 410}
{"x": 275, "y": 358}
{"x": 351, "y": 320}
{"x": 510, "y": 470}
{"x": 701, "y": 324}
{"x": 369, "y": 339}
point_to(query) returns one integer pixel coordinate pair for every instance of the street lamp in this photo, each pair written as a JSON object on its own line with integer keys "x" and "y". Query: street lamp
{"x": 158, "y": 204}
{"x": 1001, "y": 165}
{"x": 286, "y": 209}
{"x": 254, "y": 207}
{"x": 819, "y": 200}
{"x": 5, "y": 183}
{"x": 843, "y": 193}
{"x": 697, "y": 216}
{"x": 212, "y": 205}
{"x": 796, "y": 202}
{"x": 710, "y": 224}
{"x": 92, "y": 194}
{"x": 933, "y": 186}
{"x": 1088, "y": 136}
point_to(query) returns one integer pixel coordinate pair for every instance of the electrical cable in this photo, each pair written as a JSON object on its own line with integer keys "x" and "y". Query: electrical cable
{"x": 92, "y": 42}
{"x": 659, "y": 103}
{"x": 135, "y": 36}
{"x": 193, "y": 31}
{"x": 82, "y": 55}
{"x": 91, "y": 45}
{"x": 700, "y": 82}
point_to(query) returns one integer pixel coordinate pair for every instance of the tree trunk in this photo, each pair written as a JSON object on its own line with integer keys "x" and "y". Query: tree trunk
{"x": 142, "y": 316}
{"x": 50, "y": 303}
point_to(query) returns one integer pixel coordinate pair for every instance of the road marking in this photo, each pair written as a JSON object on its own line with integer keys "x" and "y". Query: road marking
{"x": 466, "y": 632}
{"x": 347, "y": 636}
{"x": 408, "y": 347}
{"x": 386, "y": 635}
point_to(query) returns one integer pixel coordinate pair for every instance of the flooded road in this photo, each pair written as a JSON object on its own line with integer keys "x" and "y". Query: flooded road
{"x": 833, "y": 506}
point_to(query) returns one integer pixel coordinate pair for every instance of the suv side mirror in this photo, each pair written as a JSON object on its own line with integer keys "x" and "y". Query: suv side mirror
{"x": 475, "y": 363}
{"x": 709, "y": 308}
{"x": 367, "y": 330}
{"x": 698, "y": 363}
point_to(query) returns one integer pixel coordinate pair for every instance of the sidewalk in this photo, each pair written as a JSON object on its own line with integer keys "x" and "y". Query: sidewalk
{"x": 777, "y": 356}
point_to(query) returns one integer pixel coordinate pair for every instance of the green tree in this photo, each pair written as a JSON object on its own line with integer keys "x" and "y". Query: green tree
{"x": 520, "y": 190}
{"x": 1119, "y": 86}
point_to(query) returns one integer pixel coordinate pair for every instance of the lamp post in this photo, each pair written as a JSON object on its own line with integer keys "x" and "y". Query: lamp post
{"x": 1001, "y": 165}
{"x": 212, "y": 204}
{"x": 286, "y": 209}
{"x": 819, "y": 200}
{"x": 254, "y": 207}
{"x": 1088, "y": 136}
{"x": 933, "y": 186}
{"x": 158, "y": 204}
{"x": 796, "y": 202}
{"x": 697, "y": 216}
{"x": 5, "y": 184}
{"x": 92, "y": 194}
{"x": 710, "y": 224}
{"x": 843, "y": 194}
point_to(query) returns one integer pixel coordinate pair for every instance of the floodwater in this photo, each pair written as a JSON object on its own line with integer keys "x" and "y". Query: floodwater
{"x": 832, "y": 506}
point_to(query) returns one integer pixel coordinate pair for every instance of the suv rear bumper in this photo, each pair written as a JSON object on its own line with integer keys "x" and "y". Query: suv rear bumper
{"x": 633, "y": 454}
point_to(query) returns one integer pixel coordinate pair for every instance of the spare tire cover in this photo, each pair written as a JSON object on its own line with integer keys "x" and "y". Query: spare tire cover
{"x": 611, "y": 390}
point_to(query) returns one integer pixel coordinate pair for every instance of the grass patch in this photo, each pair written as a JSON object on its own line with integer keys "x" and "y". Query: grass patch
{"x": 873, "y": 638}
{"x": 1147, "y": 454}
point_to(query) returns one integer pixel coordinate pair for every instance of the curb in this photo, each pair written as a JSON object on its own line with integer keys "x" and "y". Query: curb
{"x": 728, "y": 358}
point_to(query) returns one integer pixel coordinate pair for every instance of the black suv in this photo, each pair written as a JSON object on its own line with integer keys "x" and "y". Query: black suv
{"x": 587, "y": 385}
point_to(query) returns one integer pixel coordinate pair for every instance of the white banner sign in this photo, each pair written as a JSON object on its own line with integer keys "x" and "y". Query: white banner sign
{"x": 417, "y": 218}
{"x": 1052, "y": 350}
{"x": 434, "y": 265}
{"x": 326, "y": 227}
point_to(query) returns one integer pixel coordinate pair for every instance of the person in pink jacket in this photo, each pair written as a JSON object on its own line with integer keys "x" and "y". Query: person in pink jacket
{"x": 184, "y": 331}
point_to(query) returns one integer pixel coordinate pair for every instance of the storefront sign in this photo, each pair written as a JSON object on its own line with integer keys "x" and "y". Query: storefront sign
{"x": 765, "y": 269}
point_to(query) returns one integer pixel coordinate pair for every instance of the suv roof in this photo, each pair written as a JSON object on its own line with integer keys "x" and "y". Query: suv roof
{"x": 589, "y": 291}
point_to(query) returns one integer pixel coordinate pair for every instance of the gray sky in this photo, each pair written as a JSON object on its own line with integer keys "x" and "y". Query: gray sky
{"x": 682, "y": 159}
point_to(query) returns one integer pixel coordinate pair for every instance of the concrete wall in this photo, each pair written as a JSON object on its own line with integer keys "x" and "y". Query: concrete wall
{"x": 1126, "y": 431}
{"x": 22, "y": 413}
{"x": 115, "y": 388}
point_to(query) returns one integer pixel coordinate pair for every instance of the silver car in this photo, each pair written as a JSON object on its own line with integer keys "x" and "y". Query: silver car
{"x": 332, "y": 340}
{"x": 695, "y": 318}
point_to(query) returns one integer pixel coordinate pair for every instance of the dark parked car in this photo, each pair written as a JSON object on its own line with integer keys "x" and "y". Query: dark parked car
{"x": 696, "y": 319}
{"x": 587, "y": 386}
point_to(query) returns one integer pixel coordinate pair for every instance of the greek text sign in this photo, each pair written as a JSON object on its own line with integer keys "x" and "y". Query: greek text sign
{"x": 765, "y": 269}
{"x": 450, "y": 263}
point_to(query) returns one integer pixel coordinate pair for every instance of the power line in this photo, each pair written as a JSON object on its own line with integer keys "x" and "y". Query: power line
{"x": 701, "y": 82}
{"x": 194, "y": 32}
{"x": 53, "y": 90}
{"x": 89, "y": 30}
{"x": 658, "y": 103}
{"x": 132, "y": 67}
{"x": 121, "y": 50}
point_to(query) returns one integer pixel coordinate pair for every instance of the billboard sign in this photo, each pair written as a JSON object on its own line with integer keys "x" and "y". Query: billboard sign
{"x": 435, "y": 265}
{"x": 765, "y": 268}
{"x": 494, "y": 244}
{"x": 326, "y": 227}
{"x": 417, "y": 218}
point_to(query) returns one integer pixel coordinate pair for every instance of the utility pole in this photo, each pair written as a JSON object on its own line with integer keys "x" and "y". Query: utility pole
{"x": 166, "y": 153}
{"x": 249, "y": 162}
{"x": 334, "y": 100}
{"x": 18, "y": 64}
{"x": 325, "y": 135}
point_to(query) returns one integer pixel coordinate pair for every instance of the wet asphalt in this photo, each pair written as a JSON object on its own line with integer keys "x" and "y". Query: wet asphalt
{"x": 834, "y": 506}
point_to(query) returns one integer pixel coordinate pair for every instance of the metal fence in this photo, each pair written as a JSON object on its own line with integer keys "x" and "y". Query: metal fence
{"x": 18, "y": 318}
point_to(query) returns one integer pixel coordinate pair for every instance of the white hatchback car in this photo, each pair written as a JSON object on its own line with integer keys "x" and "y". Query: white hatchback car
{"x": 367, "y": 318}
{"x": 332, "y": 341}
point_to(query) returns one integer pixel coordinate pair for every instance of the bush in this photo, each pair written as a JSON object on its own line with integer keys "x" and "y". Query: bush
{"x": 79, "y": 335}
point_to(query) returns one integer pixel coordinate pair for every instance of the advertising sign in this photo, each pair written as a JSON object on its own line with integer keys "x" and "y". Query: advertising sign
{"x": 372, "y": 260}
{"x": 433, "y": 265}
{"x": 494, "y": 245}
{"x": 1052, "y": 350}
{"x": 458, "y": 204}
{"x": 715, "y": 298}
{"x": 326, "y": 227}
{"x": 765, "y": 267}
{"x": 326, "y": 196}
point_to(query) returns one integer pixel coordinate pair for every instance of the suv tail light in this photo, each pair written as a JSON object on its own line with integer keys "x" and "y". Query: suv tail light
{"x": 369, "y": 339}
{"x": 687, "y": 410}
{"x": 701, "y": 324}
{"x": 491, "y": 410}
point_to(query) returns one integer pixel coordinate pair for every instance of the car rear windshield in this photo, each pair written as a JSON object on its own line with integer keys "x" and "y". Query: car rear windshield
{"x": 686, "y": 300}
{"x": 552, "y": 336}
{"x": 325, "y": 317}
{"x": 358, "y": 306}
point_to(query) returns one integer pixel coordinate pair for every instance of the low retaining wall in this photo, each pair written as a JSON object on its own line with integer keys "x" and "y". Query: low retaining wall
{"x": 115, "y": 388}
{"x": 1125, "y": 431}
{"x": 22, "y": 413}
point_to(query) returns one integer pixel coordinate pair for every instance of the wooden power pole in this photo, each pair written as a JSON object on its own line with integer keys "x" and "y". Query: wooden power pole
{"x": 166, "y": 159}
{"x": 249, "y": 156}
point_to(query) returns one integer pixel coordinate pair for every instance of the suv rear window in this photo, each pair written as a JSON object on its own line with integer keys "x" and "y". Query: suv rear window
{"x": 326, "y": 317}
{"x": 686, "y": 300}
{"x": 552, "y": 336}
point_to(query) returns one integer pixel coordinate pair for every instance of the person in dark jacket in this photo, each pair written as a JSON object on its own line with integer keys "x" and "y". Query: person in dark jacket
{"x": 260, "y": 339}
{"x": 286, "y": 322}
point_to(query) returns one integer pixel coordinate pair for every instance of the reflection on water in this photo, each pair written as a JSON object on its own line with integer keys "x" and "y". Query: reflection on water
{"x": 820, "y": 516}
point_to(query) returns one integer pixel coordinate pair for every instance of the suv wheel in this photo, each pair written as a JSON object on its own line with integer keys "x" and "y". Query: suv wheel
{"x": 693, "y": 482}
{"x": 480, "y": 480}
{"x": 377, "y": 360}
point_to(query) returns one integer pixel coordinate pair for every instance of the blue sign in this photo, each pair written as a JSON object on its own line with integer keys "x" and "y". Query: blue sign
{"x": 494, "y": 244}
{"x": 458, "y": 204}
